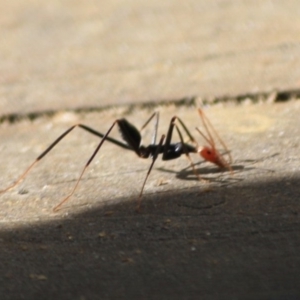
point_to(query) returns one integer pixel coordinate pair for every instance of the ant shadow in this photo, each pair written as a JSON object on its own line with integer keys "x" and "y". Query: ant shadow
{"x": 207, "y": 173}
{"x": 214, "y": 174}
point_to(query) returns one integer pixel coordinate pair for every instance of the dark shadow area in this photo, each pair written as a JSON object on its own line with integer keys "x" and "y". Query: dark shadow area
{"x": 238, "y": 242}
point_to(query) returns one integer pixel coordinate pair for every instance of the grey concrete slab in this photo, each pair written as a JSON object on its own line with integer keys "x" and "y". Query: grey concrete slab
{"x": 74, "y": 54}
{"x": 234, "y": 237}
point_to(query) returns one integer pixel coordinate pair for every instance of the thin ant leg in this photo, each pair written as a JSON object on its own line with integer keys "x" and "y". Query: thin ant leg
{"x": 101, "y": 135}
{"x": 105, "y": 137}
{"x": 39, "y": 158}
{"x": 148, "y": 121}
{"x": 191, "y": 138}
{"x": 155, "y": 114}
{"x": 155, "y": 129}
{"x": 20, "y": 178}
{"x": 157, "y": 152}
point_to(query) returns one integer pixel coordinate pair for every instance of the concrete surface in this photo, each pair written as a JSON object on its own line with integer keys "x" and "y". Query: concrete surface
{"x": 235, "y": 236}
{"x": 69, "y": 54}
{"x": 231, "y": 237}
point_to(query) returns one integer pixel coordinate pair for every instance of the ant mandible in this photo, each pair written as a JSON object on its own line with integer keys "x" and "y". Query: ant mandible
{"x": 132, "y": 141}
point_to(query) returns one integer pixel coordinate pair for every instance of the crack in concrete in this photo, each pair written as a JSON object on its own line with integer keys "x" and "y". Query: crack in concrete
{"x": 269, "y": 96}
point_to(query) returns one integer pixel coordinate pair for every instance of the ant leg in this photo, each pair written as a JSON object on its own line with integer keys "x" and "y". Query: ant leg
{"x": 187, "y": 154}
{"x": 101, "y": 135}
{"x": 160, "y": 145}
{"x": 56, "y": 208}
{"x": 39, "y": 158}
{"x": 186, "y": 150}
{"x": 192, "y": 139}
{"x": 147, "y": 122}
{"x": 155, "y": 114}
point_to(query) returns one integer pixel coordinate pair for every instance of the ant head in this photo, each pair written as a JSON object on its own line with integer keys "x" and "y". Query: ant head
{"x": 208, "y": 153}
{"x": 211, "y": 155}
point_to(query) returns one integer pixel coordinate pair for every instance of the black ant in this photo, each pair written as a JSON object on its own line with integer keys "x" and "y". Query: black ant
{"x": 132, "y": 137}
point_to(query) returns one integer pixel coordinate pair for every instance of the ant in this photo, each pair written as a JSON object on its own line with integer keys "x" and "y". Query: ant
{"x": 132, "y": 141}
